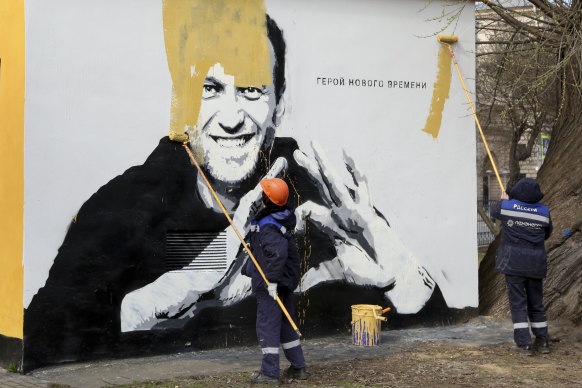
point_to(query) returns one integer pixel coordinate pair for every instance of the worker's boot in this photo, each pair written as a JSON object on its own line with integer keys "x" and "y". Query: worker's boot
{"x": 258, "y": 377}
{"x": 541, "y": 345}
{"x": 524, "y": 350}
{"x": 296, "y": 373}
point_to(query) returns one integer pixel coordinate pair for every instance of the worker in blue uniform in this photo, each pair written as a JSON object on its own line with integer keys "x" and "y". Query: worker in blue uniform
{"x": 272, "y": 243}
{"x": 521, "y": 256}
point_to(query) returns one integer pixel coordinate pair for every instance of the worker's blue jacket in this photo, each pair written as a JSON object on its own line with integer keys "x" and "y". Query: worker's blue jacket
{"x": 272, "y": 242}
{"x": 526, "y": 223}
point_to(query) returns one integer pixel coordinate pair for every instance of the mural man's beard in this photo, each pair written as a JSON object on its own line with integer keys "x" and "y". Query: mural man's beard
{"x": 232, "y": 160}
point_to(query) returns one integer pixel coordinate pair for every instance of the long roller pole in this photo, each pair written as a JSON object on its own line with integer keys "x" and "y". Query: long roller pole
{"x": 447, "y": 40}
{"x": 242, "y": 240}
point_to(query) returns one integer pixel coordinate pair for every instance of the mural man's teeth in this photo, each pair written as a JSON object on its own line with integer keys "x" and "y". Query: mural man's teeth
{"x": 233, "y": 142}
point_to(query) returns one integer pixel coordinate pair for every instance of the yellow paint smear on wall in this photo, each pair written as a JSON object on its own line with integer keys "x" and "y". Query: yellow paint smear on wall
{"x": 200, "y": 33}
{"x": 440, "y": 93}
{"x": 11, "y": 166}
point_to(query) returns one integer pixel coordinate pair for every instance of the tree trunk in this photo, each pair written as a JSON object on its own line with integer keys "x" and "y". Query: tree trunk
{"x": 513, "y": 160}
{"x": 561, "y": 180}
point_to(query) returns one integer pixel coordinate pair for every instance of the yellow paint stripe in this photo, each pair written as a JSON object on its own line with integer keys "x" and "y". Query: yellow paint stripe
{"x": 11, "y": 166}
{"x": 440, "y": 93}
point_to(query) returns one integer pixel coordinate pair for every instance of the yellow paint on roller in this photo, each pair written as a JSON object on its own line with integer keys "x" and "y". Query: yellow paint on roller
{"x": 11, "y": 166}
{"x": 440, "y": 93}
{"x": 200, "y": 33}
{"x": 448, "y": 38}
{"x": 178, "y": 137}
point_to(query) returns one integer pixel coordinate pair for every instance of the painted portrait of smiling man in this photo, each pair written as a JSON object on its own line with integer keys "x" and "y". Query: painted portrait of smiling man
{"x": 150, "y": 260}
{"x": 235, "y": 124}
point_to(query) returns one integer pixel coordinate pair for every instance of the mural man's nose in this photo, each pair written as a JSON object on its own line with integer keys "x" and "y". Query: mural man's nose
{"x": 231, "y": 118}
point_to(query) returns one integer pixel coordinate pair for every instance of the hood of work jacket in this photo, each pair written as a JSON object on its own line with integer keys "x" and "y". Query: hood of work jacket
{"x": 526, "y": 190}
{"x": 282, "y": 215}
{"x": 286, "y": 218}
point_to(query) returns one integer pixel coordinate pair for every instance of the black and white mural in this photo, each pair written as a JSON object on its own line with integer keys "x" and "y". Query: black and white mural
{"x": 127, "y": 251}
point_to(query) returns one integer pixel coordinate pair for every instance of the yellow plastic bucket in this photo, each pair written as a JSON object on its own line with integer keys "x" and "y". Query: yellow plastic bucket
{"x": 366, "y": 324}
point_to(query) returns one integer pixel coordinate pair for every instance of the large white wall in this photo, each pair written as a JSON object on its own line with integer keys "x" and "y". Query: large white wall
{"x": 424, "y": 186}
{"x": 98, "y": 99}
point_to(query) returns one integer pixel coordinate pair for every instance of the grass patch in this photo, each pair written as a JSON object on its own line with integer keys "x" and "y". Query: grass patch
{"x": 12, "y": 368}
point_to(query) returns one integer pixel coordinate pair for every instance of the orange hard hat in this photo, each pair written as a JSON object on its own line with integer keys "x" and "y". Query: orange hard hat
{"x": 276, "y": 189}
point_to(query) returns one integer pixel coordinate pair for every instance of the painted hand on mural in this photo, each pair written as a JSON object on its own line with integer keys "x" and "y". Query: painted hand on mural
{"x": 369, "y": 251}
{"x": 175, "y": 294}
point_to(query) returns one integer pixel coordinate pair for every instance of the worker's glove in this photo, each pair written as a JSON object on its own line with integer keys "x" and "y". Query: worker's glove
{"x": 273, "y": 290}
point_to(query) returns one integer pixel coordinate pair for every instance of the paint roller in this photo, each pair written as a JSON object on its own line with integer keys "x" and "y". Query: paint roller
{"x": 183, "y": 138}
{"x": 448, "y": 41}
{"x": 178, "y": 137}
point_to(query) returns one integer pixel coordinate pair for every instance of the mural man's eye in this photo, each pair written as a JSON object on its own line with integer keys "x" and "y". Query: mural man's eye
{"x": 210, "y": 90}
{"x": 251, "y": 92}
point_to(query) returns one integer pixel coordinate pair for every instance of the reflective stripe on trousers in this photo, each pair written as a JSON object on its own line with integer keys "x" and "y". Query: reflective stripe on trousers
{"x": 274, "y": 330}
{"x": 526, "y": 300}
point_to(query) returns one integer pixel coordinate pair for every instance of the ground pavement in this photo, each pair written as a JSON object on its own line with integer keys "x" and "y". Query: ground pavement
{"x": 478, "y": 331}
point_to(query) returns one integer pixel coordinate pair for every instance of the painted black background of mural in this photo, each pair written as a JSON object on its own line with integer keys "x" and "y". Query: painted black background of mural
{"x": 117, "y": 245}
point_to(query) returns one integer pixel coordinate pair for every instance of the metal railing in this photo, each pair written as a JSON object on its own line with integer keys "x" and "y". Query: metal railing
{"x": 484, "y": 234}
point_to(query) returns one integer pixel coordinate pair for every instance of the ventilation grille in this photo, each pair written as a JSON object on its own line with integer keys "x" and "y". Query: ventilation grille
{"x": 195, "y": 251}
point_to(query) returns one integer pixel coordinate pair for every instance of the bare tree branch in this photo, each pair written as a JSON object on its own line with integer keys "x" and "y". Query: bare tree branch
{"x": 535, "y": 33}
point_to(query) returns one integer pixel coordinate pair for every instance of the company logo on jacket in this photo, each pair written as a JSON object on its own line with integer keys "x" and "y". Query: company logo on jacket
{"x": 530, "y": 225}
{"x": 527, "y": 209}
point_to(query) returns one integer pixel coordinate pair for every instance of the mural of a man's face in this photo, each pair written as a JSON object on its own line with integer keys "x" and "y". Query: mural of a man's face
{"x": 227, "y": 79}
{"x": 233, "y": 124}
